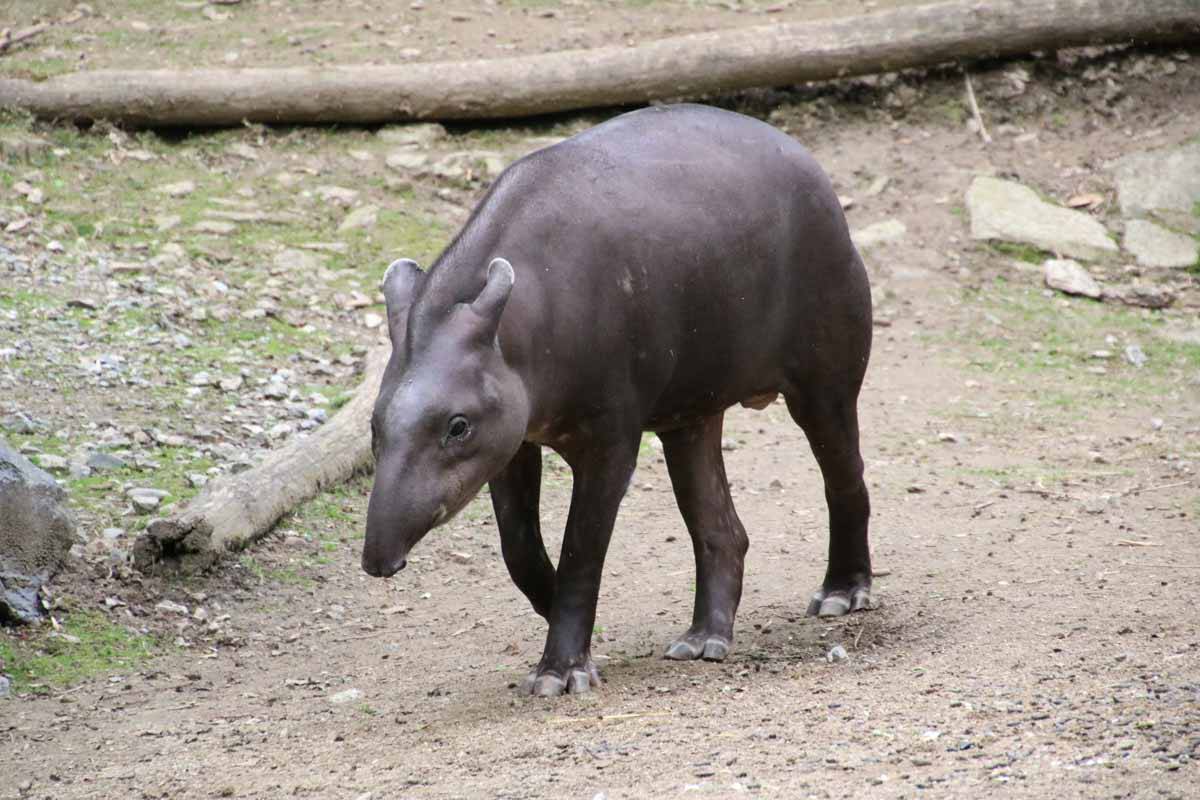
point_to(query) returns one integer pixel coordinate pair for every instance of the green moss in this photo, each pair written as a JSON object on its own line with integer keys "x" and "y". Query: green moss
{"x": 1021, "y": 252}
{"x": 88, "y": 644}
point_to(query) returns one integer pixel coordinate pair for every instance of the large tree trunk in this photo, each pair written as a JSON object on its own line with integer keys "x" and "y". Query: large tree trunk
{"x": 235, "y": 510}
{"x": 678, "y": 67}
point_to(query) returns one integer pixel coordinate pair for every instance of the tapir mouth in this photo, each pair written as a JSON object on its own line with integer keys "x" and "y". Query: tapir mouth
{"x": 381, "y": 570}
{"x": 381, "y": 565}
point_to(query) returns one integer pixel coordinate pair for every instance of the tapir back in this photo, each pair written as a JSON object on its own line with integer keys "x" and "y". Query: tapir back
{"x": 686, "y": 249}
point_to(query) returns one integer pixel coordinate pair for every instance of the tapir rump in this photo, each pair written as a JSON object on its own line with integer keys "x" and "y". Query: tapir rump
{"x": 644, "y": 275}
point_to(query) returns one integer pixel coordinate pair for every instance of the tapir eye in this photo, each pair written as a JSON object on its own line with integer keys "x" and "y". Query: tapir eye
{"x": 458, "y": 429}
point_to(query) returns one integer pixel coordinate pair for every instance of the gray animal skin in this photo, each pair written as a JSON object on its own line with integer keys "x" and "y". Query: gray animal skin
{"x": 646, "y": 274}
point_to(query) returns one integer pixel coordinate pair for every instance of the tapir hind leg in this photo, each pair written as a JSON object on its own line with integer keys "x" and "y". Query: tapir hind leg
{"x": 697, "y": 472}
{"x": 830, "y": 422}
{"x": 515, "y": 495}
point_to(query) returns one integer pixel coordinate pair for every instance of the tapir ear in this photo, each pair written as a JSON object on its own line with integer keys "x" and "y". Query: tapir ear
{"x": 491, "y": 301}
{"x": 400, "y": 284}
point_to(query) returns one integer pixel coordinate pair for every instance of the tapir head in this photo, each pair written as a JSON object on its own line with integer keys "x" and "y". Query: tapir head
{"x": 450, "y": 415}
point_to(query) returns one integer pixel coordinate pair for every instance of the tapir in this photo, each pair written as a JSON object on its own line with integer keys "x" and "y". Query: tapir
{"x": 644, "y": 275}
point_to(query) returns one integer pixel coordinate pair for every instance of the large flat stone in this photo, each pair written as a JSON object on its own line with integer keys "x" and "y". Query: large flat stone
{"x": 1155, "y": 246}
{"x": 1007, "y": 211}
{"x": 1164, "y": 183}
{"x": 36, "y": 532}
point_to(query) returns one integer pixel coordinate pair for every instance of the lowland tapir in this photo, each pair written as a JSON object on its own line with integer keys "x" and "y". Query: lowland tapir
{"x": 644, "y": 275}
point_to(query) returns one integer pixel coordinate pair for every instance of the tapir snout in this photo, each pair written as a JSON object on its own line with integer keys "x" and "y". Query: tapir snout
{"x": 395, "y": 523}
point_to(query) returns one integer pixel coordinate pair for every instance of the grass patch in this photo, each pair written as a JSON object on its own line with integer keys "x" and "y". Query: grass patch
{"x": 89, "y": 644}
{"x": 1039, "y": 336}
{"x": 1021, "y": 252}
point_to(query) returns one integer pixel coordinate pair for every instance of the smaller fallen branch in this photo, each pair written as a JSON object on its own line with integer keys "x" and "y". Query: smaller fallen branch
{"x": 8, "y": 38}
{"x": 235, "y": 510}
{"x": 983, "y": 133}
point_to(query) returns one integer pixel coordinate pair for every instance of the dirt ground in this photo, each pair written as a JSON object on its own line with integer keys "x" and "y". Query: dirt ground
{"x": 136, "y": 33}
{"x": 1035, "y": 498}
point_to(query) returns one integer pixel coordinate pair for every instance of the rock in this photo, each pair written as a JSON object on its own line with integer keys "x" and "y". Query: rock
{"x": 1155, "y": 246}
{"x": 1164, "y": 183}
{"x": 5, "y": 685}
{"x": 1069, "y": 276}
{"x": 878, "y": 185}
{"x": 20, "y": 423}
{"x": 166, "y": 222}
{"x": 469, "y": 164}
{"x": 36, "y": 533}
{"x": 317, "y": 415}
{"x": 281, "y": 430}
{"x": 1010, "y": 212}
{"x": 407, "y": 161}
{"x": 231, "y": 383}
{"x": 146, "y": 500}
{"x": 197, "y": 480}
{"x": 345, "y": 696}
{"x": 52, "y": 462}
{"x": 362, "y": 217}
{"x": 215, "y": 227}
{"x": 372, "y": 320}
{"x": 170, "y": 607}
{"x": 417, "y": 135}
{"x": 180, "y": 189}
{"x": 338, "y": 195}
{"x": 275, "y": 390}
{"x": 836, "y": 653}
{"x": 244, "y": 151}
{"x": 889, "y": 230}
{"x": 1134, "y": 355}
{"x": 294, "y": 260}
{"x": 201, "y": 379}
{"x": 1141, "y": 295}
{"x": 112, "y": 534}
{"x": 100, "y": 461}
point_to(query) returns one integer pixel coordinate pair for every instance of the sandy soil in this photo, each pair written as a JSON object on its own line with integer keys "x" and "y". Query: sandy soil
{"x": 1034, "y": 528}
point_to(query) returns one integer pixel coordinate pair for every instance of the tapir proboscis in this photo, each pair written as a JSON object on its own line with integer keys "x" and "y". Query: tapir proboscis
{"x": 644, "y": 275}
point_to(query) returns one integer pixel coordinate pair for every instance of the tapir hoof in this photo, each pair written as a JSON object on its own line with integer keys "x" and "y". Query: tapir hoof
{"x": 552, "y": 683}
{"x": 693, "y": 646}
{"x": 839, "y": 602}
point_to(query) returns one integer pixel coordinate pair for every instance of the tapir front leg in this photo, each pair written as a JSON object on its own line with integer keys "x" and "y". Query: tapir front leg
{"x": 515, "y": 495}
{"x": 601, "y": 476}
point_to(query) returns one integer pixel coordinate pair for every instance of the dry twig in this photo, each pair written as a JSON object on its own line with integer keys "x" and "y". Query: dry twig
{"x": 983, "y": 134}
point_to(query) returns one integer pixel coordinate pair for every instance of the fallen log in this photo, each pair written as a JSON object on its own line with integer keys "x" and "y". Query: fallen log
{"x": 235, "y": 510}
{"x": 676, "y": 67}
